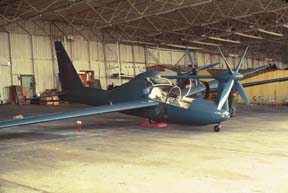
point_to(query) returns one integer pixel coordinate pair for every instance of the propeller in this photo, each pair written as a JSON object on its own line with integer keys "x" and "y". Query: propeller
{"x": 196, "y": 69}
{"x": 190, "y": 58}
{"x": 231, "y": 79}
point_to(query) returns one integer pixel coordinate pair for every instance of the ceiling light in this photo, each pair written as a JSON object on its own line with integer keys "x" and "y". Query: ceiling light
{"x": 179, "y": 46}
{"x": 270, "y": 32}
{"x": 138, "y": 42}
{"x": 205, "y": 43}
{"x": 248, "y": 36}
{"x": 234, "y": 55}
{"x": 225, "y": 40}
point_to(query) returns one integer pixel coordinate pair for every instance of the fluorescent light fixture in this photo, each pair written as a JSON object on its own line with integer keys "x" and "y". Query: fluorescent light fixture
{"x": 137, "y": 42}
{"x": 234, "y": 55}
{"x": 225, "y": 40}
{"x": 248, "y": 36}
{"x": 179, "y": 46}
{"x": 270, "y": 32}
{"x": 285, "y": 25}
{"x": 205, "y": 43}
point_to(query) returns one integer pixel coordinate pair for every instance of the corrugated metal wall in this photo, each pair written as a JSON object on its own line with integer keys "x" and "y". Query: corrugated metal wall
{"x": 26, "y": 54}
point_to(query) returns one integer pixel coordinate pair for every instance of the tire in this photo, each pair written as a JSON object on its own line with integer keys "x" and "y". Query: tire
{"x": 217, "y": 128}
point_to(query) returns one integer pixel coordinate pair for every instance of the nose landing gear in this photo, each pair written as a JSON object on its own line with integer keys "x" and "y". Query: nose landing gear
{"x": 217, "y": 127}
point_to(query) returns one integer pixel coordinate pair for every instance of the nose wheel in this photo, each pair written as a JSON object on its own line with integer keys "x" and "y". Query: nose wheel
{"x": 217, "y": 128}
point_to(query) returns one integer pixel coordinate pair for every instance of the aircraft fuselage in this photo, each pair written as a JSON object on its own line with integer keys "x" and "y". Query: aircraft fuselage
{"x": 194, "y": 112}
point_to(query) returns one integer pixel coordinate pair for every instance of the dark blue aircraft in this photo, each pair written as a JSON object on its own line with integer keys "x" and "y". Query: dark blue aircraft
{"x": 147, "y": 95}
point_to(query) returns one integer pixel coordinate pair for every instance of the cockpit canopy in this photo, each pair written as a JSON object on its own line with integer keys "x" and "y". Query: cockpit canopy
{"x": 164, "y": 91}
{"x": 158, "y": 81}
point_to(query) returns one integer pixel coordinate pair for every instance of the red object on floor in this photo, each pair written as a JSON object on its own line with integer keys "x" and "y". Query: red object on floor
{"x": 273, "y": 103}
{"x": 155, "y": 125}
{"x": 79, "y": 124}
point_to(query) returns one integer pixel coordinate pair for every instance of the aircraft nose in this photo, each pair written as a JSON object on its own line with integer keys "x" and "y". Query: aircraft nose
{"x": 224, "y": 115}
{"x": 219, "y": 116}
{"x": 205, "y": 112}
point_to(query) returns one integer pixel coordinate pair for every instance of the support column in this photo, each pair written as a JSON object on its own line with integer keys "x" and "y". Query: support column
{"x": 119, "y": 60}
{"x": 10, "y": 57}
{"x": 33, "y": 61}
{"x": 133, "y": 58}
{"x": 89, "y": 54}
{"x": 145, "y": 57}
{"x": 105, "y": 62}
{"x": 98, "y": 60}
{"x": 53, "y": 63}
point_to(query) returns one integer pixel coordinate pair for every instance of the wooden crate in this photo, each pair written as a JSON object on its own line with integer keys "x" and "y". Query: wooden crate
{"x": 49, "y": 100}
{"x": 16, "y": 95}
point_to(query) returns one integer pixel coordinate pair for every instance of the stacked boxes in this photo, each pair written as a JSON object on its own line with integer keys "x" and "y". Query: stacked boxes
{"x": 47, "y": 99}
{"x": 16, "y": 95}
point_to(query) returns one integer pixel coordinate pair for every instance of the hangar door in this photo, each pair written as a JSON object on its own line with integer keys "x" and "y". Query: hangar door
{"x": 27, "y": 81}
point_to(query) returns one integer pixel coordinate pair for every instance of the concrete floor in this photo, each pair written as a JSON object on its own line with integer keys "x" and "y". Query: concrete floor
{"x": 113, "y": 154}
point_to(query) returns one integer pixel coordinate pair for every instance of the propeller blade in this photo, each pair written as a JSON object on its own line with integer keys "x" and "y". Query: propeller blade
{"x": 241, "y": 61}
{"x": 208, "y": 66}
{"x": 226, "y": 61}
{"x": 225, "y": 93}
{"x": 242, "y": 93}
{"x": 190, "y": 58}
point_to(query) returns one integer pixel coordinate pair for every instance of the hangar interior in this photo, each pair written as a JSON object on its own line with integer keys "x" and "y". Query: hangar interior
{"x": 125, "y": 37}
{"x": 117, "y": 40}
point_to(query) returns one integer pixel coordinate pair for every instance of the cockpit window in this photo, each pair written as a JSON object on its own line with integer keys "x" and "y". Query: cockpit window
{"x": 164, "y": 91}
{"x": 156, "y": 81}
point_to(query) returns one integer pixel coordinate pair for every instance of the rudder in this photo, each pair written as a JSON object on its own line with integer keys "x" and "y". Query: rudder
{"x": 68, "y": 76}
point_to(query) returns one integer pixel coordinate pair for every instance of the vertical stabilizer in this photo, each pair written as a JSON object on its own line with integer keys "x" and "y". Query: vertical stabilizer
{"x": 68, "y": 76}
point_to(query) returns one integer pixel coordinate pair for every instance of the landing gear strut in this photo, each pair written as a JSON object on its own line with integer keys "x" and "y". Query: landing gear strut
{"x": 152, "y": 121}
{"x": 217, "y": 128}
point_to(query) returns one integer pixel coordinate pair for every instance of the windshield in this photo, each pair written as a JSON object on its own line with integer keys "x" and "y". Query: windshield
{"x": 156, "y": 81}
{"x": 169, "y": 94}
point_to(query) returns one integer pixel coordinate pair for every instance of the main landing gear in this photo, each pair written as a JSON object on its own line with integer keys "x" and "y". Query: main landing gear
{"x": 217, "y": 127}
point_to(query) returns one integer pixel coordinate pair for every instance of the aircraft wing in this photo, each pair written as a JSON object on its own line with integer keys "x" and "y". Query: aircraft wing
{"x": 264, "y": 82}
{"x": 45, "y": 96}
{"x": 188, "y": 76}
{"x": 214, "y": 84}
{"x": 255, "y": 70}
{"x": 79, "y": 113}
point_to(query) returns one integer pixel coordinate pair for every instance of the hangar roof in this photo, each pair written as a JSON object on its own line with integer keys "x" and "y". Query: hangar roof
{"x": 260, "y": 24}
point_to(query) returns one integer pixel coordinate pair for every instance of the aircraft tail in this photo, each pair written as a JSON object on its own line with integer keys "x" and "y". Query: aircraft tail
{"x": 68, "y": 76}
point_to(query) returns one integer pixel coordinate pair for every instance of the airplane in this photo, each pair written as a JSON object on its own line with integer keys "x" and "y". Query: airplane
{"x": 147, "y": 95}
